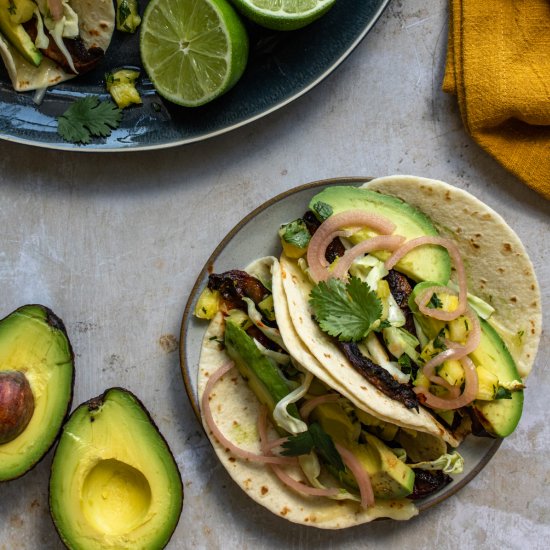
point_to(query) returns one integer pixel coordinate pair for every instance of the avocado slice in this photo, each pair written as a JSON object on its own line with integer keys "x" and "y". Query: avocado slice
{"x": 262, "y": 375}
{"x": 114, "y": 482}
{"x": 34, "y": 342}
{"x": 390, "y": 477}
{"x": 500, "y": 416}
{"x": 12, "y": 15}
{"x": 429, "y": 262}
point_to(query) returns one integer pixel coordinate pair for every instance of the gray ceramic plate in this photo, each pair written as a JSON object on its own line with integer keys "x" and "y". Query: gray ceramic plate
{"x": 281, "y": 67}
{"x": 256, "y": 236}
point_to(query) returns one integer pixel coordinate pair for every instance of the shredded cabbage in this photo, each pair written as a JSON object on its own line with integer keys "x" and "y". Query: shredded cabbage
{"x": 449, "y": 463}
{"x": 278, "y": 357}
{"x": 312, "y": 469}
{"x": 256, "y": 317}
{"x": 66, "y": 27}
{"x": 378, "y": 354}
{"x": 281, "y": 415}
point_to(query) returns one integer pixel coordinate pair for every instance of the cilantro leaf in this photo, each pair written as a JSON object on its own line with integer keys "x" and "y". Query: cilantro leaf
{"x": 88, "y": 117}
{"x": 503, "y": 393}
{"x": 296, "y": 233}
{"x": 345, "y": 310}
{"x": 314, "y": 439}
{"x": 322, "y": 209}
{"x": 435, "y": 302}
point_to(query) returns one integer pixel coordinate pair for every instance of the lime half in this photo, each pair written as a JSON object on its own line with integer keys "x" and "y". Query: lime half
{"x": 192, "y": 50}
{"x": 283, "y": 15}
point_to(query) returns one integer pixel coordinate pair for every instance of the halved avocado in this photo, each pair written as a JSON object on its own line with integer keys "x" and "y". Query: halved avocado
{"x": 34, "y": 342}
{"x": 114, "y": 482}
{"x": 428, "y": 263}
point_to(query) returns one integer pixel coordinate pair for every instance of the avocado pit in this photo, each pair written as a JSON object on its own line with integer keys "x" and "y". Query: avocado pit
{"x": 16, "y": 405}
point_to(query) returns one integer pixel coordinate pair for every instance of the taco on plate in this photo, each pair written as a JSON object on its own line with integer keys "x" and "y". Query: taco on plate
{"x": 45, "y": 42}
{"x": 329, "y": 390}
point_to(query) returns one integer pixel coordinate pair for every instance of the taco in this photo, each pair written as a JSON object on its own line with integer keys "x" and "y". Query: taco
{"x": 421, "y": 339}
{"x": 45, "y": 42}
{"x": 290, "y": 413}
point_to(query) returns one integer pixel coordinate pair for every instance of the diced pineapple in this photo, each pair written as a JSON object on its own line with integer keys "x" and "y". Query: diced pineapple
{"x": 487, "y": 384}
{"x": 121, "y": 84}
{"x": 292, "y": 251}
{"x": 452, "y": 371}
{"x": 459, "y": 329}
{"x": 207, "y": 304}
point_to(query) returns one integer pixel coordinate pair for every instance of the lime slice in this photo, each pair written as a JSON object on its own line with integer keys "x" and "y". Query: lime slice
{"x": 192, "y": 50}
{"x": 283, "y": 15}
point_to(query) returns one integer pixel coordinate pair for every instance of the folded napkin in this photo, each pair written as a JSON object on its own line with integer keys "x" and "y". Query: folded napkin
{"x": 498, "y": 65}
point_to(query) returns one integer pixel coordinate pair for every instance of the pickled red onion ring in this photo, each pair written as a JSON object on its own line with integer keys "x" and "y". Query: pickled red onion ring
{"x": 361, "y": 475}
{"x": 460, "y": 273}
{"x": 467, "y": 396}
{"x": 216, "y": 432}
{"x": 382, "y": 242}
{"x": 279, "y": 472}
{"x": 310, "y": 404}
{"x": 302, "y": 487}
{"x": 322, "y": 237}
{"x": 330, "y": 237}
{"x": 56, "y": 9}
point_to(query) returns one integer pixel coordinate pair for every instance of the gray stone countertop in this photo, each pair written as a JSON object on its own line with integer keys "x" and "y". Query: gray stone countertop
{"x": 114, "y": 242}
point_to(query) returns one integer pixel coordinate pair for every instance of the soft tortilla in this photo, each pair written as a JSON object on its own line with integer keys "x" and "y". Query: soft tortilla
{"x": 235, "y": 410}
{"x": 96, "y": 21}
{"x": 498, "y": 268}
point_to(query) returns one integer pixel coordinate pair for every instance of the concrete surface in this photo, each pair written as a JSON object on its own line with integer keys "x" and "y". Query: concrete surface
{"x": 113, "y": 243}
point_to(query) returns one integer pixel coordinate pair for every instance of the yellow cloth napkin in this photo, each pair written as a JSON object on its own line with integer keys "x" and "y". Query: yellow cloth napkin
{"x": 498, "y": 65}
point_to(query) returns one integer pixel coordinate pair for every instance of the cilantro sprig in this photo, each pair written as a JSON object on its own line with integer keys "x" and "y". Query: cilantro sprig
{"x": 345, "y": 310}
{"x": 315, "y": 438}
{"x": 88, "y": 117}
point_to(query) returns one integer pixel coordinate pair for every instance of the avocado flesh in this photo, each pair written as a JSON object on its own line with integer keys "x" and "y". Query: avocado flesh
{"x": 500, "y": 416}
{"x": 114, "y": 482}
{"x": 431, "y": 263}
{"x": 390, "y": 478}
{"x": 33, "y": 341}
{"x": 260, "y": 372}
{"x": 18, "y": 37}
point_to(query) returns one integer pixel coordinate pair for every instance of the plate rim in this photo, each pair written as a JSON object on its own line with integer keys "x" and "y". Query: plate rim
{"x": 457, "y": 484}
{"x": 93, "y": 148}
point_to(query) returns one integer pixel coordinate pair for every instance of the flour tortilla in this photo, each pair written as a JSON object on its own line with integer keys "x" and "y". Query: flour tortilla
{"x": 235, "y": 409}
{"x": 96, "y": 20}
{"x": 497, "y": 265}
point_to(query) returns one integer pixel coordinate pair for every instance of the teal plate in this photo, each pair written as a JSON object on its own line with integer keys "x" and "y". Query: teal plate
{"x": 281, "y": 68}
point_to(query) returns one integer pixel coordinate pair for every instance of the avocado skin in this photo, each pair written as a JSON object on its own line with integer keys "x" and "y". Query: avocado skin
{"x": 45, "y": 316}
{"x": 261, "y": 374}
{"x": 428, "y": 263}
{"x": 87, "y": 411}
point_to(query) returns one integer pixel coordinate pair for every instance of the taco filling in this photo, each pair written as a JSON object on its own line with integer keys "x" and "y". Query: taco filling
{"x": 341, "y": 378}
{"x": 44, "y": 42}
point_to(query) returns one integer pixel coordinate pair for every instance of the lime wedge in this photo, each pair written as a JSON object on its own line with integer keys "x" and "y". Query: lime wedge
{"x": 192, "y": 50}
{"x": 283, "y": 15}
